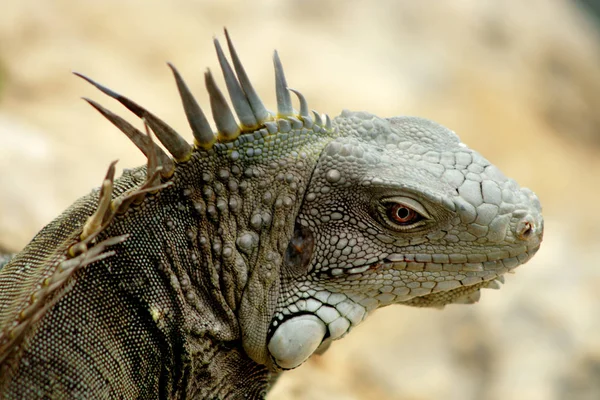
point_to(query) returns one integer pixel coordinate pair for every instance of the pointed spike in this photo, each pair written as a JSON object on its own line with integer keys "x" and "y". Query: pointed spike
{"x": 94, "y": 222}
{"x": 303, "y": 103}
{"x": 201, "y": 129}
{"x": 475, "y": 296}
{"x": 318, "y": 120}
{"x": 152, "y": 164}
{"x": 284, "y": 100}
{"x": 470, "y": 298}
{"x": 493, "y": 284}
{"x": 226, "y": 125}
{"x": 179, "y": 148}
{"x": 110, "y": 173}
{"x": 158, "y": 161}
{"x": 129, "y": 104}
{"x": 175, "y": 144}
{"x": 327, "y": 122}
{"x": 308, "y": 122}
{"x": 238, "y": 98}
{"x": 137, "y": 137}
{"x": 103, "y": 89}
{"x": 258, "y": 108}
{"x": 129, "y": 130}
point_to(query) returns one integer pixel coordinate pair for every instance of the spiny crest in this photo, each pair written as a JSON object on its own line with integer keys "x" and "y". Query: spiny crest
{"x": 87, "y": 249}
{"x": 247, "y": 105}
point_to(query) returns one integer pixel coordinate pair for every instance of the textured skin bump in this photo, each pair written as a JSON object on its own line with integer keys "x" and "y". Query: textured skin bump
{"x": 296, "y": 339}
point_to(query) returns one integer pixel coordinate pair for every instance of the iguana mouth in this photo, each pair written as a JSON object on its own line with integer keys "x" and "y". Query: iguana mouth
{"x": 468, "y": 290}
{"x": 460, "y": 295}
{"x": 454, "y": 281}
{"x": 439, "y": 283}
{"x": 509, "y": 259}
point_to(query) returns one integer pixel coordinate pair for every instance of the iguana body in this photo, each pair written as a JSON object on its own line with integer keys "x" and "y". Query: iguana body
{"x": 206, "y": 275}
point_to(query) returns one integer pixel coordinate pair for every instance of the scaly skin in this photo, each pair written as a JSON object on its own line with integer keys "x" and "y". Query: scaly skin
{"x": 252, "y": 250}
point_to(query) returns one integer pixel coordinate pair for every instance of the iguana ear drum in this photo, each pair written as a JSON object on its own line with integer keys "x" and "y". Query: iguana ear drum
{"x": 299, "y": 252}
{"x": 296, "y": 339}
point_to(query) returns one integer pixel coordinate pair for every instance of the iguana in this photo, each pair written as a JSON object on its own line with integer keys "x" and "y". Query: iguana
{"x": 208, "y": 272}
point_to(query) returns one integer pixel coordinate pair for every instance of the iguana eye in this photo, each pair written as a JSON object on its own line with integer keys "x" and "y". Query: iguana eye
{"x": 402, "y": 215}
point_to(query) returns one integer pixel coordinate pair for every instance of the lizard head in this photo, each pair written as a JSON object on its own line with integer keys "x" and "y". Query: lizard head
{"x": 398, "y": 211}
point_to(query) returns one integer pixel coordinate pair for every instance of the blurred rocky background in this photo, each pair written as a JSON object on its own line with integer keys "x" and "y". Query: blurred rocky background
{"x": 519, "y": 81}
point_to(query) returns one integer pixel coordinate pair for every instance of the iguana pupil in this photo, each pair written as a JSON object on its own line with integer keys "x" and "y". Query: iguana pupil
{"x": 403, "y": 215}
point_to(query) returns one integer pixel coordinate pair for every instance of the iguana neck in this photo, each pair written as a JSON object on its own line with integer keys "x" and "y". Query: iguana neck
{"x": 234, "y": 211}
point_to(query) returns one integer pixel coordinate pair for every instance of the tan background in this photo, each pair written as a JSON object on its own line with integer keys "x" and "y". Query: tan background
{"x": 519, "y": 81}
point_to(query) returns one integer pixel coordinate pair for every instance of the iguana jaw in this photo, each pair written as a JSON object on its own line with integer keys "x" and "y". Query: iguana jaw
{"x": 297, "y": 331}
{"x": 470, "y": 276}
{"x": 468, "y": 292}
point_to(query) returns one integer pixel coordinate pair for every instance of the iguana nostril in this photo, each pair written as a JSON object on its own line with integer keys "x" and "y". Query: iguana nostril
{"x": 525, "y": 229}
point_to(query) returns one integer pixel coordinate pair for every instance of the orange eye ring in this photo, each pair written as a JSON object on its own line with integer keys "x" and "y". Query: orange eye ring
{"x": 402, "y": 215}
